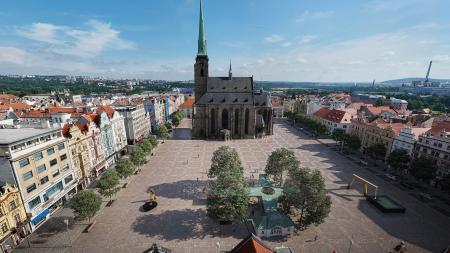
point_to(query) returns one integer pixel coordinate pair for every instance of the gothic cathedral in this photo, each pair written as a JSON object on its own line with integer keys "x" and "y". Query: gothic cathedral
{"x": 227, "y": 106}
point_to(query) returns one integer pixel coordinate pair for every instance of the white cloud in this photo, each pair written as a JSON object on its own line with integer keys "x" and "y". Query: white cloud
{"x": 12, "y": 55}
{"x": 441, "y": 58}
{"x": 274, "y": 38}
{"x": 314, "y": 15}
{"x": 86, "y": 43}
{"x": 286, "y": 44}
{"x": 307, "y": 38}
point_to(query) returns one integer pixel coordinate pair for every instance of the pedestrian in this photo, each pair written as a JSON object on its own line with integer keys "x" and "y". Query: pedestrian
{"x": 197, "y": 180}
{"x": 316, "y": 237}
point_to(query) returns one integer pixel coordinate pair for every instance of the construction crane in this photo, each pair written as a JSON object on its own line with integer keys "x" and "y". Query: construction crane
{"x": 428, "y": 72}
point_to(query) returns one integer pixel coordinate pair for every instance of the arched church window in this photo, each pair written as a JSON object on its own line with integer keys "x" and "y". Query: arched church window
{"x": 247, "y": 119}
{"x": 236, "y": 121}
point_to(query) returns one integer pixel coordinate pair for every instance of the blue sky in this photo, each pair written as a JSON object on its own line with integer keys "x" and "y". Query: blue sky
{"x": 287, "y": 40}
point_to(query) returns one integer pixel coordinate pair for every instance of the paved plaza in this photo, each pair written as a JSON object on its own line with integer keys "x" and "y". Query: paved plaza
{"x": 178, "y": 174}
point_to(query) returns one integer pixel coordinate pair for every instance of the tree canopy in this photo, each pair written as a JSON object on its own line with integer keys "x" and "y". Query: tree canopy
{"x": 177, "y": 117}
{"x": 153, "y": 140}
{"x": 224, "y": 159}
{"x": 227, "y": 199}
{"x": 377, "y": 151}
{"x": 422, "y": 169}
{"x": 163, "y": 132}
{"x": 137, "y": 156}
{"x": 85, "y": 204}
{"x": 108, "y": 184}
{"x": 304, "y": 191}
{"x": 279, "y": 162}
{"x": 124, "y": 167}
{"x": 398, "y": 159}
{"x": 353, "y": 142}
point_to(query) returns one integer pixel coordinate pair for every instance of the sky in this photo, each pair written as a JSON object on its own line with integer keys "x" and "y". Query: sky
{"x": 273, "y": 40}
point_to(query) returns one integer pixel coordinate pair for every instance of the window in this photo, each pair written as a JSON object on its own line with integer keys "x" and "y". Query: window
{"x": 63, "y": 157}
{"x": 38, "y": 156}
{"x": 53, "y": 162}
{"x": 61, "y": 146}
{"x": 4, "y": 227}
{"x": 27, "y": 175}
{"x": 66, "y": 167}
{"x": 68, "y": 179}
{"x": 55, "y": 173}
{"x": 36, "y": 201}
{"x": 44, "y": 180}
{"x": 12, "y": 205}
{"x": 31, "y": 188}
{"x": 50, "y": 151}
{"x": 41, "y": 168}
{"x": 52, "y": 190}
{"x": 24, "y": 162}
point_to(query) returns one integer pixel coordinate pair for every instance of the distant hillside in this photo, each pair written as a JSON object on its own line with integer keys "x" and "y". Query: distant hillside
{"x": 410, "y": 79}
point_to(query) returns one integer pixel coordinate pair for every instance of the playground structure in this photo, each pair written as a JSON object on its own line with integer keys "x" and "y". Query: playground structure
{"x": 365, "y": 183}
{"x": 383, "y": 203}
{"x": 149, "y": 205}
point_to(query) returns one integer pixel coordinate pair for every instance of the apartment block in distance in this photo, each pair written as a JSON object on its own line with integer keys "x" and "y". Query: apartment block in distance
{"x": 37, "y": 161}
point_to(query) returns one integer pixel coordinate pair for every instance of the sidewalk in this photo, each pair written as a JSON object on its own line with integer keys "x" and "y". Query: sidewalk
{"x": 54, "y": 236}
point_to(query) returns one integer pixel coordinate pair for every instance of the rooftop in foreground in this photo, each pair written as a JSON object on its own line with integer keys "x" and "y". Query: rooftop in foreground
{"x": 8, "y": 136}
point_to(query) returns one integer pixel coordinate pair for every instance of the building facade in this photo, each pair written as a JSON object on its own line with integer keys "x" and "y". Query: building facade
{"x": 227, "y": 104}
{"x": 13, "y": 219}
{"x": 333, "y": 119}
{"x": 407, "y": 139}
{"x": 37, "y": 161}
{"x": 137, "y": 122}
{"x": 435, "y": 145}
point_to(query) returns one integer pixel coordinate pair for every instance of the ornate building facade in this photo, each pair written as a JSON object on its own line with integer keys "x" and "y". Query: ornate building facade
{"x": 229, "y": 104}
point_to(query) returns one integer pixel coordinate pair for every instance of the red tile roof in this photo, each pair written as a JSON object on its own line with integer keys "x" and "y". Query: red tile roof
{"x": 107, "y": 109}
{"x": 188, "y": 104}
{"x": 377, "y": 110}
{"x": 334, "y": 115}
{"x": 439, "y": 127}
{"x": 322, "y": 112}
{"x": 251, "y": 244}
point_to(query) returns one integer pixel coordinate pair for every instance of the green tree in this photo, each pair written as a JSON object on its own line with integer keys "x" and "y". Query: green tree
{"x": 124, "y": 168}
{"x": 338, "y": 135}
{"x": 153, "y": 140}
{"x": 137, "y": 157}
{"x": 168, "y": 126}
{"x": 108, "y": 184}
{"x": 398, "y": 159}
{"x": 380, "y": 101}
{"x": 227, "y": 199}
{"x": 353, "y": 142}
{"x": 422, "y": 169}
{"x": 224, "y": 159}
{"x": 445, "y": 183}
{"x": 377, "y": 151}
{"x": 163, "y": 132}
{"x": 280, "y": 161}
{"x": 146, "y": 146}
{"x": 85, "y": 204}
{"x": 304, "y": 191}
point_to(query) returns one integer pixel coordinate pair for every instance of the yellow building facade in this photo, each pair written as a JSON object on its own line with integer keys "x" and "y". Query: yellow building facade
{"x": 79, "y": 153}
{"x": 13, "y": 218}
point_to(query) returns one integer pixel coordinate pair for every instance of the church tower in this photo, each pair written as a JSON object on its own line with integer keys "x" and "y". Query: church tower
{"x": 201, "y": 61}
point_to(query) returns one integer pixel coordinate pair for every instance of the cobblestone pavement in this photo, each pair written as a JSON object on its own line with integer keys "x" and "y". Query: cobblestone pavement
{"x": 178, "y": 174}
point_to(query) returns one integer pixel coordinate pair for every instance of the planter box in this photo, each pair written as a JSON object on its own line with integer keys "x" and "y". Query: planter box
{"x": 386, "y": 204}
{"x": 90, "y": 227}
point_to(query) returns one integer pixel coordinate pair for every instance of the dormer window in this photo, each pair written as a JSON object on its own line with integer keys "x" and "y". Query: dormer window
{"x": 223, "y": 100}
{"x": 235, "y": 100}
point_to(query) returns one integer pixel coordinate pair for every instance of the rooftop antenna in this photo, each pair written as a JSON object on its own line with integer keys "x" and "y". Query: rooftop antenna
{"x": 428, "y": 72}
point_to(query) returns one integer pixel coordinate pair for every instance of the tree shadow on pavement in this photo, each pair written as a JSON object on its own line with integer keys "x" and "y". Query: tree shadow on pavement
{"x": 185, "y": 189}
{"x": 186, "y": 224}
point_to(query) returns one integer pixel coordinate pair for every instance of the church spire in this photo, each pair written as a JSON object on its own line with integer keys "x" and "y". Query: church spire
{"x": 201, "y": 34}
{"x": 230, "y": 72}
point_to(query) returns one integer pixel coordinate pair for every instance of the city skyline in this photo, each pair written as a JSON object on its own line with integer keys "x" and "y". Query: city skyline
{"x": 324, "y": 41}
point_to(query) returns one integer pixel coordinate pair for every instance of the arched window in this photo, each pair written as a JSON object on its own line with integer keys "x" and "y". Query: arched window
{"x": 213, "y": 121}
{"x": 236, "y": 121}
{"x": 225, "y": 119}
{"x": 247, "y": 119}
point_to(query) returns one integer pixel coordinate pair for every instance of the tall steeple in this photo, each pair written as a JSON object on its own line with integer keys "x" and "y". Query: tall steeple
{"x": 201, "y": 34}
{"x": 230, "y": 72}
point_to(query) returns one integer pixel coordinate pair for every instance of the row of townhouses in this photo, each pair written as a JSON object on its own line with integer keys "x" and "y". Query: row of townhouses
{"x": 393, "y": 125}
{"x": 49, "y": 150}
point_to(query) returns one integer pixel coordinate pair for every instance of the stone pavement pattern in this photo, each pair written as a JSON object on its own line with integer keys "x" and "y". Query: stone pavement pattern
{"x": 180, "y": 221}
